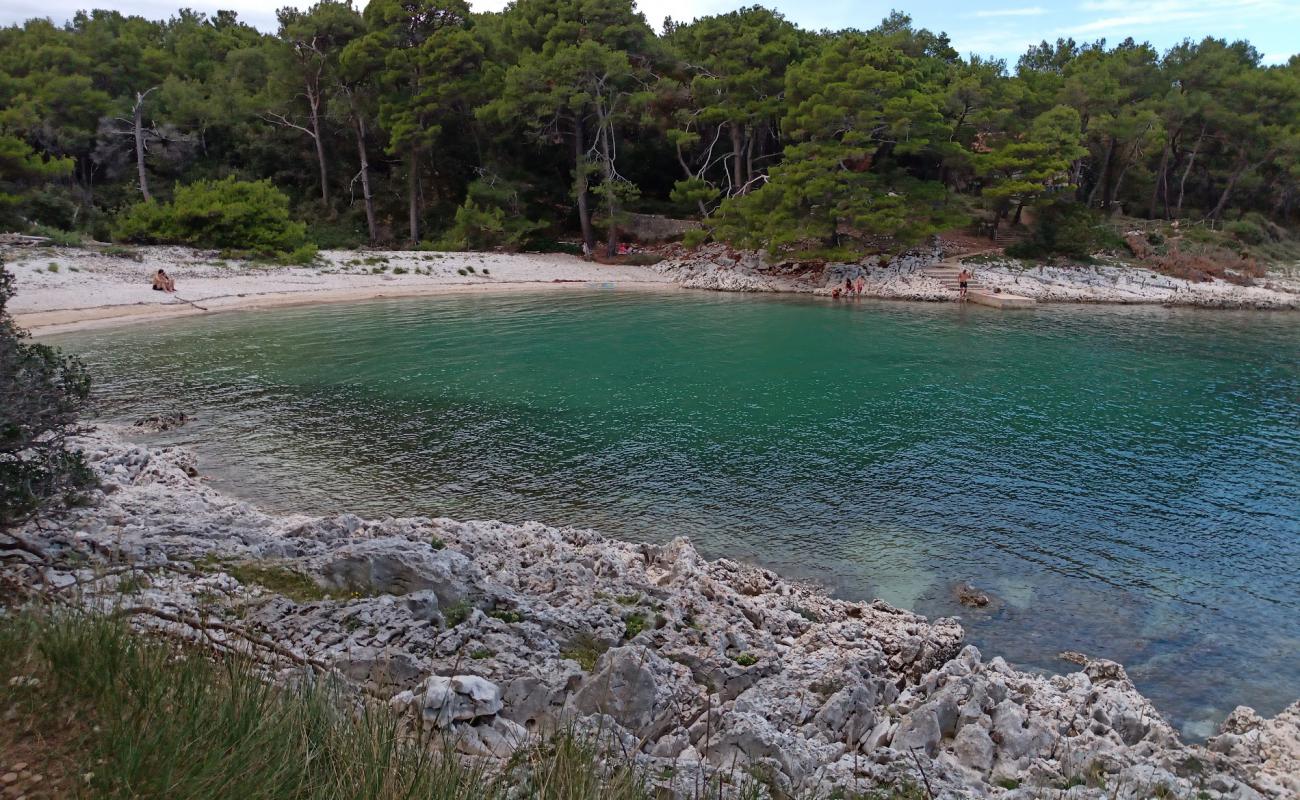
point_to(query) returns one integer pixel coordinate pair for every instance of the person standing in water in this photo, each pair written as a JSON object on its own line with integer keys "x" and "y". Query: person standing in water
{"x": 963, "y": 280}
{"x": 859, "y": 284}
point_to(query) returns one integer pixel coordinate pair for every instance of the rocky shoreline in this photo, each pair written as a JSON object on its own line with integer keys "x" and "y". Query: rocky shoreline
{"x": 490, "y": 632}
{"x": 718, "y": 268}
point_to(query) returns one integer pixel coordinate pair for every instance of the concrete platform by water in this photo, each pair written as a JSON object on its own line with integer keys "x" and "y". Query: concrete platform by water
{"x": 1000, "y": 300}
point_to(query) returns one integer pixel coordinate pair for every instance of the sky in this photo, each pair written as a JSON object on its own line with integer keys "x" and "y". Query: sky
{"x": 999, "y": 28}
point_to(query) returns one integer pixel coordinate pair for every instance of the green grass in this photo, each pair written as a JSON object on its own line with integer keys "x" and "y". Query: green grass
{"x": 293, "y": 585}
{"x": 506, "y": 615}
{"x": 585, "y": 649}
{"x": 118, "y": 714}
{"x": 109, "y": 712}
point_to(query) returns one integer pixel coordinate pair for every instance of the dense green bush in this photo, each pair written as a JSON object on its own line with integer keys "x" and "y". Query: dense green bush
{"x": 1246, "y": 231}
{"x": 41, "y": 391}
{"x": 1066, "y": 229}
{"x": 229, "y": 213}
{"x": 492, "y": 216}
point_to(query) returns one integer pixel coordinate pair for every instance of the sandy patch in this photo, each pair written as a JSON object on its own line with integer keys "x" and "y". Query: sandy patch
{"x": 61, "y": 289}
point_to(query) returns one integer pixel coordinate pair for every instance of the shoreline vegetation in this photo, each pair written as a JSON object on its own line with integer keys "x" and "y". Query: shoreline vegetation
{"x": 569, "y": 125}
{"x": 661, "y": 670}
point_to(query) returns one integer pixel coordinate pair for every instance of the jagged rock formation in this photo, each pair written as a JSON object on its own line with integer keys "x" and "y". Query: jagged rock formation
{"x": 491, "y": 632}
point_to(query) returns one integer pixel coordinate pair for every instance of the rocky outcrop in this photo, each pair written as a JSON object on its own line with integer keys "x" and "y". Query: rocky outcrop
{"x": 902, "y": 277}
{"x": 491, "y": 632}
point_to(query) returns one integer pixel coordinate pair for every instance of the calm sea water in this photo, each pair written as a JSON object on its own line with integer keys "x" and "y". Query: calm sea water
{"x": 1123, "y": 481}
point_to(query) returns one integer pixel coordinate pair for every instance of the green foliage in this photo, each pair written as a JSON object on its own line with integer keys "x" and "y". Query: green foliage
{"x": 745, "y": 659}
{"x": 302, "y": 255}
{"x": 585, "y": 649}
{"x": 1246, "y": 231}
{"x": 492, "y": 217}
{"x": 1066, "y": 229}
{"x": 506, "y": 615}
{"x": 281, "y": 580}
{"x": 155, "y": 721}
{"x": 41, "y": 393}
{"x": 249, "y": 215}
{"x": 633, "y": 624}
{"x": 816, "y": 200}
{"x": 456, "y": 613}
{"x": 572, "y": 112}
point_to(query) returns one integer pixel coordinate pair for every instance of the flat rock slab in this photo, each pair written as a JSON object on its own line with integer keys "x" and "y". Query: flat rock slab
{"x": 1000, "y": 300}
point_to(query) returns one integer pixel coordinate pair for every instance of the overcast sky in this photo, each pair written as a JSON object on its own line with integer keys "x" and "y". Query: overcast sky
{"x": 1002, "y": 28}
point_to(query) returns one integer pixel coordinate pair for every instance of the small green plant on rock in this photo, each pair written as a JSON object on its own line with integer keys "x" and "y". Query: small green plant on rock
{"x": 456, "y": 613}
{"x": 281, "y": 580}
{"x": 506, "y": 615}
{"x": 635, "y": 623}
{"x": 53, "y": 267}
{"x": 481, "y": 653}
{"x": 745, "y": 659}
{"x": 585, "y": 649}
{"x": 436, "y": 543}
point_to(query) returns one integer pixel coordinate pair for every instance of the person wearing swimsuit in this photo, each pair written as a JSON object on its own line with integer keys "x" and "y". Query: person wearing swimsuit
{"x": 963, "y": 279}
{"x": 162, "y": 282}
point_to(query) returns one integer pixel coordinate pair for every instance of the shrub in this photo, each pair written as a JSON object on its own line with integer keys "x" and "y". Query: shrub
{"x": 695, "y": 237}
{"x": 491, "y": 217}
{"x": 1246, "y": 232}
{"x": 57, "y": 236}
{"x": 301, "y": 256}
{"x": 1067, "y": 229}
{"x": 230, "y": 213}
{"x": 745, "y": 659}
{"x": 41, "y": 392}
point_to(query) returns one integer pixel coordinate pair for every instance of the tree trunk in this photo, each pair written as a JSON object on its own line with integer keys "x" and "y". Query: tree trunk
{"x": 1160, "y": 183}
{"x": 580, "y": 189}
{"x": 138, "y": 130}
{"x": 749, "y": 156}
{"x": 314, "y": 100}
{"x": 737, "y": 152}
{"x": 1227, "y": 190}
{"x": 611, "y": 191}
{"x": 371, "y": 227}
{"x": 1104, "y": 177}
{"x": 1182, "y": 184}
{"x": 413, "y": 197}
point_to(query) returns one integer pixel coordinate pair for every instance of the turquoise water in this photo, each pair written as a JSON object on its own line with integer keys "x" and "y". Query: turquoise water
{"x": 1123, "y": 481}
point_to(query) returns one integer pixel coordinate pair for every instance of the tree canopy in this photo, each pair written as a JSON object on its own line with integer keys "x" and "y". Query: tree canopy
{"x": 422, "y": 121}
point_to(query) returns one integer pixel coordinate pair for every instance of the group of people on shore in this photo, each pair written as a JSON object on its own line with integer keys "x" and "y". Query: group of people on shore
{"x": 851, "y": 288}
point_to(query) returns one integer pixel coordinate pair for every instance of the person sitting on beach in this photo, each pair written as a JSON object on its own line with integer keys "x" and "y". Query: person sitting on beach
{"x": 835, "y": 293}
{"x": 162, "y": 282}
{"x": 963, "y": 279}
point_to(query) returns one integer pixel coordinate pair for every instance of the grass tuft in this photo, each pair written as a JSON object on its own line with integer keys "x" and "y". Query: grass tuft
{"x": 146, "y": 719}
{"x": 585, "y": 649}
